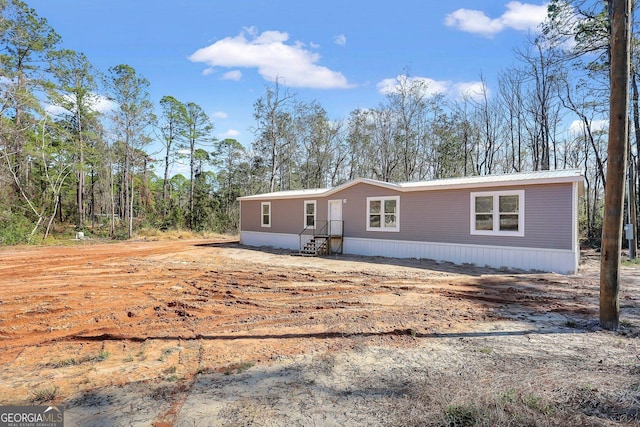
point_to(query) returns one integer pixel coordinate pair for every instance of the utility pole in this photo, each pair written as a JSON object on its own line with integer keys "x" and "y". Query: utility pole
{"x": 620, "y": 11}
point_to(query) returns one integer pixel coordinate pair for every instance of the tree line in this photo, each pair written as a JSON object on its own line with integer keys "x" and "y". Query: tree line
{"x": 66, "y": 161}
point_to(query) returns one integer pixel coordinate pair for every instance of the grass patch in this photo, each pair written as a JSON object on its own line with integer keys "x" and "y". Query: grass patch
{"x": 167, "y": 352}
{"x": 465, "y": 415}
{"x": 207, "y": 371}
{"x": 474, "y": 396}
{"x": 237, "y": 368}
{"x": 171, "y": 371}
{"x": 103, "y": 355}
{"x": 537, "y": 404}
{"x": 507, "y": 396}
{"x": 626, "y": 324}
{"x": 571, "y": 324}
{"x": 154, "y": 234}
{"x": 630, "y": 262}
{"x": 72, "y": 361}
{"x": 44, "y": 394}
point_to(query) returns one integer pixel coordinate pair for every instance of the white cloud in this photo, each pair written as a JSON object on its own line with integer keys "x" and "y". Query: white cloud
{"x": 232, "y": 75}
{"x": 252, "y": 30}
{"x": 470, "y": 90}
{"x": 577, "y": 127}
{"x": 102, "y": 104}
{"x": 274, "y": 59}
{"x": 55, "y": 110}
{"x": 219, "y": 115}
{"x": 340, "y": 40}
{"x": 523, "y": 16}
{"x": 180, "y": 168}
{"x": 97, "y": 103}
{"x": 430, "y": 87}
{"x": 231, "y": 133}
{"x": 473, "y": 21}
{"x": 518, "y": 16}
{"x": 208, "y": 71}
{"x": 5, "y": 81}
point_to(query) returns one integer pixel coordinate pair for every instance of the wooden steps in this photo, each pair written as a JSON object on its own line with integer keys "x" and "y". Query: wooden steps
{"x": 317, "y": 245}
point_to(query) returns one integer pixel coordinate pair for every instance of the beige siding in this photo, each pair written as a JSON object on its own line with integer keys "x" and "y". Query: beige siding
{"x": 441, "y": 216}
{"x": 287, "y": 215}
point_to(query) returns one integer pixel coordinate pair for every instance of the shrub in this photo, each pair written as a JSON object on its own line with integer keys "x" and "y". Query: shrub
{"x": 14, "y": 229}
{"x": 460, "y": 415}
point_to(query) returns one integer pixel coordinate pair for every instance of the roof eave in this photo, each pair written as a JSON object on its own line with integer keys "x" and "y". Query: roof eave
{"x": 506, "y": 183}
{"x": 429, "y": 186}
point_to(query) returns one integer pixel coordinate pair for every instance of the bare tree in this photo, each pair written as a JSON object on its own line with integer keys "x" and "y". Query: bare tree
{"x": 542, "y": 70}
{"x": 511, "y": 98}
{"x": 409, "y": 101}
{"x": 273, "y": 114}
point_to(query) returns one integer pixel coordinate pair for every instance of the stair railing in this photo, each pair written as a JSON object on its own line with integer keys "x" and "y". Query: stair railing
{"x": 333, "y": 228}
{"x": 309, "y": 232}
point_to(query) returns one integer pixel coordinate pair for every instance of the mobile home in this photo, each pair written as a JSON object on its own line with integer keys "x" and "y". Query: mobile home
{"x": 521, "y": 221}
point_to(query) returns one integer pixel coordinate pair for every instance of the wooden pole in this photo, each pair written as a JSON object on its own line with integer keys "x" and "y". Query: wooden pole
{"x": 616, "y": 164}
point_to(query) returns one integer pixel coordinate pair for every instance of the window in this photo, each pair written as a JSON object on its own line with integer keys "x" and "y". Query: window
{"x": 498, "y": 213}
{"x": 310, "y": 214}
{"x": 383, "y": 213}
{"x": 265, "y": 214}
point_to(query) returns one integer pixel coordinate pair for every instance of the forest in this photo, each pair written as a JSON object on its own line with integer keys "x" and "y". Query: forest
{"x": 67, "y": 165}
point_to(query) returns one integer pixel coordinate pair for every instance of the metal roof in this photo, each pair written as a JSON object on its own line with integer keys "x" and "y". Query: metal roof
{"x": 562, "y": 175}
{"x": 287, "y": 194}
{"x": 523, "y": 178}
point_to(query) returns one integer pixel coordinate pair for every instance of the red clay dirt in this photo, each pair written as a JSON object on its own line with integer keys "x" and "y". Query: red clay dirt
{"x": 77, "y": 318}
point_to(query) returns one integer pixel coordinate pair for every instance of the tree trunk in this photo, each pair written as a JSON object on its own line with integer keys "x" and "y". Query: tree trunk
{"x": 165, "y": 183}
{"x": 93, "y": 199}
{"x": 633, "y": 179}
{"x": 633, "y": 243}
{"x": 80, "y": 193}
{"x": 131, "y": 207}
{"x": 80, "y": 174}
{"x": 616, "y": 167}
{"x": 192, "y": 183}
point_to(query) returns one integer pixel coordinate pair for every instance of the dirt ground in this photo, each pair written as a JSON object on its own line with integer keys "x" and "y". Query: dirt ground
{"x": 198, "y": 333}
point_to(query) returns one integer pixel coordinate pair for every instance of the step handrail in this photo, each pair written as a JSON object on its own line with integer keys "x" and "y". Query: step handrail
{"x": 322, "y": 228}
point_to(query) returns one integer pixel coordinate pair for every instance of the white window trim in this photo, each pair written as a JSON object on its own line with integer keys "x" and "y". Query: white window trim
{"x": 395, "y": 229}
{"x": 262, "y": 205}
{"x": 315, "y": 213}
{"x": 496, "y": 214}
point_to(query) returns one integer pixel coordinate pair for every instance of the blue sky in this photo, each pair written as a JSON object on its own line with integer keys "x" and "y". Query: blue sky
{"x": 222, "y": 54}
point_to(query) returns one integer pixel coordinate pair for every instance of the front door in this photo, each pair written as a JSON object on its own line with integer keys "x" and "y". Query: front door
{"x": 335, "y": 217}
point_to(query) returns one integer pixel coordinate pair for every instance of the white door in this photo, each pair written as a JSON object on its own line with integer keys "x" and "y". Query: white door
{"x": 335, "y": 217}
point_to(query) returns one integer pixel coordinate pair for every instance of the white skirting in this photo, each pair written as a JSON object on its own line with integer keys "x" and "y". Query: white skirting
{"x": 548, "y": 260}
{"x": 275, "y": 240}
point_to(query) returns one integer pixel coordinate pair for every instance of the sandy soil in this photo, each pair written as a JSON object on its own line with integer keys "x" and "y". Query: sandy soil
{"x": 195, "y": 333}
